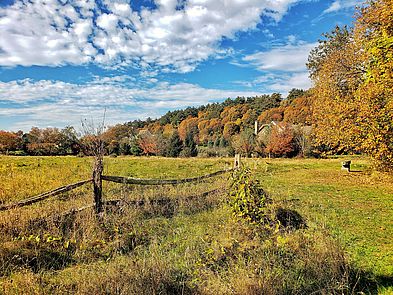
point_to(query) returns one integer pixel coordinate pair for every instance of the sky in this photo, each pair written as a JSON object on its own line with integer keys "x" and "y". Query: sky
{"x": 64, "y": 61}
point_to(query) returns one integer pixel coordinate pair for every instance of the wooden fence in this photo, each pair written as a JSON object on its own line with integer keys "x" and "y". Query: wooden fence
{"x": 44, "y": 196}
{"x": 139, "y": 181}
{"x": 97, "y": 186}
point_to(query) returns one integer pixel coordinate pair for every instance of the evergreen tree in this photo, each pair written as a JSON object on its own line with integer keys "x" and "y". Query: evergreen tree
{"x": 175, "y": 145}
{"x": 190, "y": 148}
{"x": 135, "y": 150}
{"x": 295, "y": 93}
{"x": 217, "y": 142}
{"x": 223, "y": 142}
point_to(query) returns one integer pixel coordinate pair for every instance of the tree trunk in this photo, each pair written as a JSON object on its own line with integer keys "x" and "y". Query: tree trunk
{"x": 97, "y": 183}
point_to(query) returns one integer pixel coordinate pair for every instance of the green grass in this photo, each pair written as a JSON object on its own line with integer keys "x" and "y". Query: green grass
{"x": 198, "y": 248}
{"x": 355, "y": 207}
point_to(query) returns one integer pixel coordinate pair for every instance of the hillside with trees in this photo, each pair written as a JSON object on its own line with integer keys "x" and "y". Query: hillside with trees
{"x": 218, "y": 129}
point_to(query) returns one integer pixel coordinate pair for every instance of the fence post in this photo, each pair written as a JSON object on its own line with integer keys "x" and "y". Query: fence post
{"x": 97, "y": 183}
{"x": 236, "y": 163}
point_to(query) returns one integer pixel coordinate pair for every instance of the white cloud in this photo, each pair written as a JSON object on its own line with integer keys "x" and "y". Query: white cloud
{"x": 288, "y": 58}
{"x": 108, "y": 22}
{"x": 285, "y": 83}
{"x": 56, "y": 103}
{"x": 52, "y": 34}
{"x": 281, "y": 83}
{"x": 341, "y": 4}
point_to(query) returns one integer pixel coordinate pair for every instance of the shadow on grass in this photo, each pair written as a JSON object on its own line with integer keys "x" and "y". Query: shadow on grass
{"x": 368, "y": 282}
{"x": 28, "y": 255}
{"x": 290, "y": 219}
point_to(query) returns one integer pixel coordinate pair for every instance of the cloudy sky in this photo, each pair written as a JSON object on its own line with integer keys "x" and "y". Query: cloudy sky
{"x": 62, "y": 61}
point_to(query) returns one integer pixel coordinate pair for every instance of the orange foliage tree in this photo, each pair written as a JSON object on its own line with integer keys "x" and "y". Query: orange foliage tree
{"x": 274, "y": 114}
{"x": 232, "y": 113}
{"x": 148, "y": 143}
{"x": 281, "y": 143}
{"x": 189, "y": 125}
{"x": 10, "y": 141}
{"x": 299, "y": 111}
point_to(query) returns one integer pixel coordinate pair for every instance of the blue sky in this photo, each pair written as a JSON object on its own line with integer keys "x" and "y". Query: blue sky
{"x": 63, "y": 61}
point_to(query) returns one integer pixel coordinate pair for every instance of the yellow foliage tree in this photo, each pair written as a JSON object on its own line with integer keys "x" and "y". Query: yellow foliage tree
{"x": 353, "y": 93}
{"x": 374, "y": 29}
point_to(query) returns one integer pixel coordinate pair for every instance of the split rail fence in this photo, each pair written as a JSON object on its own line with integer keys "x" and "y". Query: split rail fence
{"x": 97, "y": 186}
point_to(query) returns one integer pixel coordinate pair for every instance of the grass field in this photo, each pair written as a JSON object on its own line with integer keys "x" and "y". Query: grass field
{"x": 199, "y": 247}
{"x": 355, "y": 207}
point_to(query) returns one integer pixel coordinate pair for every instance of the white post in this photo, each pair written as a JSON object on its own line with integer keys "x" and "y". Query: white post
{"x": 256, "y": 128}
{"x": 236, "y": 163}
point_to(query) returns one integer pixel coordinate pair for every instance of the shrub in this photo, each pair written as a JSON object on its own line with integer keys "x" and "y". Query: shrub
{"x": 248, "y": 199}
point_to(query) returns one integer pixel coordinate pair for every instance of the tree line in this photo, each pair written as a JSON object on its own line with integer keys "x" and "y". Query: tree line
{"x": 216, "y": 129}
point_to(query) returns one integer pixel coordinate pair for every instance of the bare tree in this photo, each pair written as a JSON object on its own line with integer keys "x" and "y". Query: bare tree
{"x": 94, "y": 145}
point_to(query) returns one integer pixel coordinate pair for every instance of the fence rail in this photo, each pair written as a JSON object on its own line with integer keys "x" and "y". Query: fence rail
{"x": 44, "y": 196}
{"x": 131, "y": 180}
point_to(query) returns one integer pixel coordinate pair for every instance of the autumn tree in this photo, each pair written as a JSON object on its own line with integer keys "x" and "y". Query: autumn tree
{"x": 353, "y": 99}
{"x": 299, "y": 110}
{"x": 51, "y": 141}
{"x": 249, "y": 117}
{"x": 281, "y": 143}
{"x": 274, "y": 114}
{"x": 208, "y": 129}
{"x": 168, "y": 130}
{"x": 148, "y": 143}
{"x": 334, "y": 41}
{"x": 334, "y": 67}
{"x": 374, "y": 30}
{"x": 232, "y": 113}
{"x": 188, "y": 126}
{"x": 44, "y": 141}
{"x": 204, "y": 131}
{"x": 10, "y": 141}
{"x": 244, "y": 142}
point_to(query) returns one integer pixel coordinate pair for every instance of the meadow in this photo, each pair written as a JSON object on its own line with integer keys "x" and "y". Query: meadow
{"x": 191, "y": 245}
